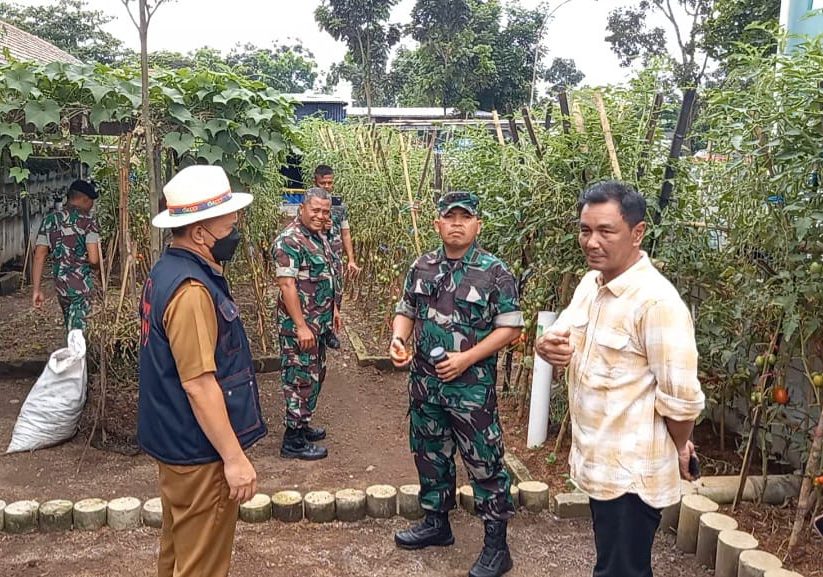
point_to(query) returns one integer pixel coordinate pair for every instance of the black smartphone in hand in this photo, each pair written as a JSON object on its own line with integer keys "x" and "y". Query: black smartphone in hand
{"x": 694, "y": 467}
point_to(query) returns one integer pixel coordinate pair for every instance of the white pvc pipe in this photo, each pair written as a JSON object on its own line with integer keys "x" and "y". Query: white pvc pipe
{"x": 541, "y": 388}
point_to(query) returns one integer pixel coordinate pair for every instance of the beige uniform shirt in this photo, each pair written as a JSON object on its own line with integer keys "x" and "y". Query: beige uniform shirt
{"x": 191, "y": 326}
{"x": 634, "y": 363}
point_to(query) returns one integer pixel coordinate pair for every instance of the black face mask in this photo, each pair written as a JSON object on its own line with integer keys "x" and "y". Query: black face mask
{"x": 223, "y": 249}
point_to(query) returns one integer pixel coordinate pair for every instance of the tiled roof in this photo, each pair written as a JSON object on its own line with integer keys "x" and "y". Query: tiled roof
{"x": 27, "y": 47}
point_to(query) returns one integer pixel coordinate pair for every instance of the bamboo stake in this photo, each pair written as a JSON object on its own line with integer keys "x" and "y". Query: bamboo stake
{"x": 26, "y": 262}
{"x": 806, "y": 490}
{"x": 498, "y": 129}
{"x": 426, "y": 164}
{"x": 758, "y": 411}
{"x": 405, "y": 162}
{"x": 527, "y": 118}
{"x": 607, "y": 133}
{"x": 110, "y": 265}
{"x": 562, "y": 434}
{"x": 579, "y": 125}
{"x": 513, "y": 130}
{"x": 563, "y": 100}
{"x": 124, "y": 280}
{"x": 651, "y": 128}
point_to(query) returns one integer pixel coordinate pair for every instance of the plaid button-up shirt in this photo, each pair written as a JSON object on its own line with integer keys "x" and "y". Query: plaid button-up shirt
{"x": 634, "y": 364}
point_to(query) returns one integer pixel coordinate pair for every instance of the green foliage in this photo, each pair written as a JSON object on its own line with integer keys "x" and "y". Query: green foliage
{"x": 468, "y": 58}
{"x": 742, "y": 240}
{"x": 284, "y": 68}
{"x": 699, "y": 29}
{"x": 514, "y": 50}
{"x": 731, "y": 23}
{"x": 363, "y": 26}
{"x": 455, "y": 54}
{"x": 563, "y": 74}
{"x": 201, "y": 115}
{"x": 69, "y": 25}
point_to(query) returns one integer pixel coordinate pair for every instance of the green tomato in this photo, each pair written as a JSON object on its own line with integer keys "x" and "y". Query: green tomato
{"x": 772, "y": 359}
{"x": 816, "y": 268}
{"x": 759, "y": 361}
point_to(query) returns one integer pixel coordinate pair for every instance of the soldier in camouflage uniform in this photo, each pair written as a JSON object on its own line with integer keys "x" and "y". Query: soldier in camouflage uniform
{"x": 73, "y": 238}
{"x": 463, "y": 299}
{"x": 306, "y": 316}
{"x": 338, "y": 232}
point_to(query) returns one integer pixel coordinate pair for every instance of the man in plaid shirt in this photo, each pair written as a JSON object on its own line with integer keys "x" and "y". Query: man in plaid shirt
{"x": 627, "y": 342}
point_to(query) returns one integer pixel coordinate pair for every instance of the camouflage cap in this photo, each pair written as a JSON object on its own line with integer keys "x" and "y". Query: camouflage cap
{"x": 458, "y": 199}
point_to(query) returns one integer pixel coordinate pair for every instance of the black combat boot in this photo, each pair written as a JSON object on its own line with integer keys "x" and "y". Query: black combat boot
{"x": 495, "y": 558}
{"x": 296, "y": 446}
{"x": 314, "y": 434}
{"x": 332, "y": 341}
{"x": 433, "y": 530}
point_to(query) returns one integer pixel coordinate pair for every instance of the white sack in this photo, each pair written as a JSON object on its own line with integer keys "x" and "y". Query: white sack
{"x": 53, "y": 407}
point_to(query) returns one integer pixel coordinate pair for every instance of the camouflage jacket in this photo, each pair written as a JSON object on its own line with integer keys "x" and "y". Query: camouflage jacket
{"x": 455, "y": 305}
{"x": 307, "y": 257}
{"x": 339, "y": 221}
{"x": 66, "y": 233}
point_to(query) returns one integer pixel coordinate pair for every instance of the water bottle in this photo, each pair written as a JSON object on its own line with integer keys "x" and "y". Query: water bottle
{"x": 437, "y": 355}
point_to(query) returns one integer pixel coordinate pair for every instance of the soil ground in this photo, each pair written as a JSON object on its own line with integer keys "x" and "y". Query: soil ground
{"x": 26, "y": 333}
{"x": 375, "y": 450}
{"x": 540, "y": 544}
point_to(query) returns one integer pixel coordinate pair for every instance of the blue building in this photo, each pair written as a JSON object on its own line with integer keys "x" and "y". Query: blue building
{"x": 801, "y": 18}
{"x": 308, "y": 104}
{"x": 323, "y": 105}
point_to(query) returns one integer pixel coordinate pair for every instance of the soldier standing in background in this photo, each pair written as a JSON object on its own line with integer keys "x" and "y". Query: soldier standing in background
{"x": 307, "y": 315}
{"x": 338, "y": 232}
{"x": 72, "y": 236}
{"x": 462, "y": 304}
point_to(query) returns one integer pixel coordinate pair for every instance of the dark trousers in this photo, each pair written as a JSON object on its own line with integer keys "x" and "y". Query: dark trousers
{"x": 624, "y": 531}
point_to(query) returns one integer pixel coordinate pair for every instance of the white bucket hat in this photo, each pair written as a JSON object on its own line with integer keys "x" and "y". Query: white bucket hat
{"x": 196, "y": 193}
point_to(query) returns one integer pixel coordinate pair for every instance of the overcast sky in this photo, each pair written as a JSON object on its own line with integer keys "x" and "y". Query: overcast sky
{"x": 577, "y": 30}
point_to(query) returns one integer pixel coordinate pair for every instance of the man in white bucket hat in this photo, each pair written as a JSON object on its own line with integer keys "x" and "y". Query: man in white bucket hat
{"x": 199, "y": 406}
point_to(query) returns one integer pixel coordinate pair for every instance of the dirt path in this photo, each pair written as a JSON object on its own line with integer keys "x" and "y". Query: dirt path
{"x": 541, "y": 545}
{"x": 28, "y": 333}
{"x": 364, "y": 411}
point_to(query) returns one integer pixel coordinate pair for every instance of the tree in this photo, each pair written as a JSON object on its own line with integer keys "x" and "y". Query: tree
{"x": 467, "y": 57}
{"x": 402, "y": 87}
{"x": 455, "y": 56}
{"x": 700, "y": 29}
{"x": 146, "y": 10}
{"x": 68, "y": 25}
{"x": 515, "y": 50}
{"x": 562, "y": 75}
{"x": 727, "y": 25}
{"x": 631, "y": 38}
{"x": 363, "y": 26}
{"x": 285, "y": 68}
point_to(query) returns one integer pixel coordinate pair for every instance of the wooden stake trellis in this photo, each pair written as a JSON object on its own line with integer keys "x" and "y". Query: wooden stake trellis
{"x": 412, "y": 206}
{"x": 607, "y": 133}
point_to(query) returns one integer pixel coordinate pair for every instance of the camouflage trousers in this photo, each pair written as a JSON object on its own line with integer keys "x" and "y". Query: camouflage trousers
{"x": 301, "y": 376}
{"x": 76, "y": 306}
{"x": 435, "y": 431}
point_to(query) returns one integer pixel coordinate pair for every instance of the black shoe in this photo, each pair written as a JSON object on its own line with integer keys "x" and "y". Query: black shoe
{"x": 332, "y": 341}
{"x": 495, "y": 558}
{"x": 314, "y": 434}
{"x": 296, "y": 446}
{"x": 433, "y": 530}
